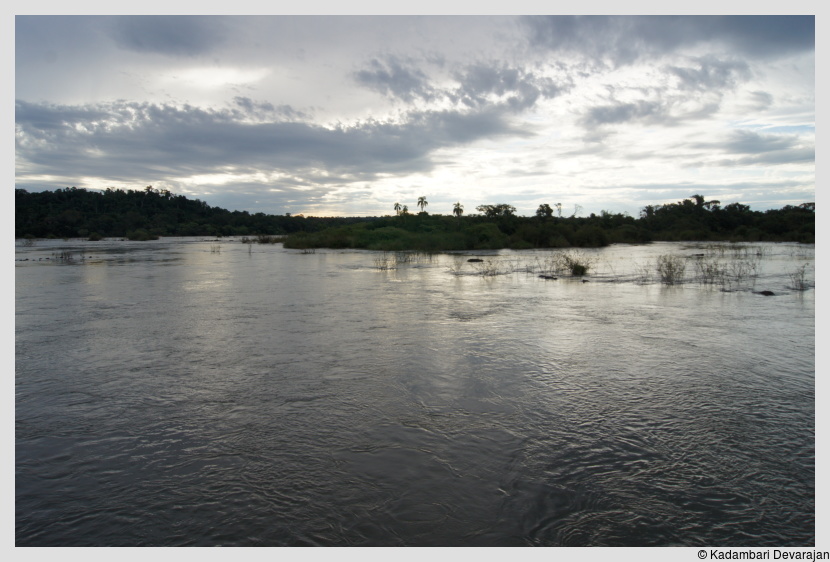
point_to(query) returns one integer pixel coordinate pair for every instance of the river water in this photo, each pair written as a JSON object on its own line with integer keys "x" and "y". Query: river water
{"x": 198, "y": 392}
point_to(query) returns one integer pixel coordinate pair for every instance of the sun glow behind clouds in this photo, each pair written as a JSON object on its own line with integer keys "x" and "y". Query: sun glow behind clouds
{"x": 213, "y": 77}
{"x": 231, "y": 177}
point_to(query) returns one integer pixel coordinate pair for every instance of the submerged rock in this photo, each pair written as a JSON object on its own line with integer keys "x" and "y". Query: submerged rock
{"x": 766, "y": 293}
{"x": 474, "y": 260}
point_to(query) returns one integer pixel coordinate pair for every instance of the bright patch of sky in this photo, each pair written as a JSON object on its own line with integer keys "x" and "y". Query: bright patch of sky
{"x": 347, "y": 115}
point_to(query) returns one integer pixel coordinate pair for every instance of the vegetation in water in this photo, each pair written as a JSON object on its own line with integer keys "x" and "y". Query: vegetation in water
{"x": 384, "y": 261}
{"x": 671, "y": 269}
{"x": 576, "y": 263}
{"x": 263, "y": 239}
{"x": 141, "y": 235}
{"x": 798, "y": 278}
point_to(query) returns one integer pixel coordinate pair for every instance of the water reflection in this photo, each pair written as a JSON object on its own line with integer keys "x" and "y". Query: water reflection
{"x": 202, "y": 397}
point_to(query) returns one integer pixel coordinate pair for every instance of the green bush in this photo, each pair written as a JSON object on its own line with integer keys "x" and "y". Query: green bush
{"x": 268, "y": 239}
{"x": 558, "y": 241}
{"x": 141, "y": 235}
{"x": 486, "y": 236}
{"x": 630, "y": 234}
{"x": 671, "y": 269}
{"x": 577, "y": 263}
{"x": 517, "y": 243}
{"x": 590, "y": 236}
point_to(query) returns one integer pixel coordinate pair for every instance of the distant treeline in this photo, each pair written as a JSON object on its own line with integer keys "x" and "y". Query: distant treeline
{"x": 150, "y": 213}
{"x": 142, "y": 214}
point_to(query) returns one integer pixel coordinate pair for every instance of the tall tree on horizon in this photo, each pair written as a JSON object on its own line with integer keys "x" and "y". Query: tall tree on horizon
{"x": 422, "y": 203}
{"x": 544, "y": 211}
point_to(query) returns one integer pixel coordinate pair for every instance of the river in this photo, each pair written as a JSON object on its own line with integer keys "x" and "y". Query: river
{"x": 210, "y": 392}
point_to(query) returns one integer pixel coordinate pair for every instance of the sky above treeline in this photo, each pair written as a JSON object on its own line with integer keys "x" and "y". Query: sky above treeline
{"x": 348, "y": 115}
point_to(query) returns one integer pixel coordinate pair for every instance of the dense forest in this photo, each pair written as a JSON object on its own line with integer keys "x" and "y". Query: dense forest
{"x": 150, "y": 213}
{"x": 142, "y": 214}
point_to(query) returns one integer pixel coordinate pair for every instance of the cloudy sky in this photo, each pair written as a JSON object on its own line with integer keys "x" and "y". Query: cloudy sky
{"x": 348, "y": 115}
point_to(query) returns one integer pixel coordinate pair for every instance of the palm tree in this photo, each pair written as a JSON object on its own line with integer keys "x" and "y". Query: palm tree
{"x": 405, "y": 210}
{"x": 422, "y": 203}
{"x": 397, "y": 208}
{"x": 458, "y": 209}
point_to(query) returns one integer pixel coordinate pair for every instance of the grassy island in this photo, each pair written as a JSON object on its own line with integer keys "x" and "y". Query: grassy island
{"x": 497, "y": 226}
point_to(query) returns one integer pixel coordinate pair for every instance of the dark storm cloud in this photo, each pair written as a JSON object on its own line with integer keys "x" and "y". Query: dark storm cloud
{"x": 169, "y": 35}
{"x": 481, "y": 85}
{"x": 710, "y": 73}
{"x": 625, "y": 39}
{"x": 750, "y": 142}
{"x": 438, "y": 129}
{"x": 780, "y": 157}
{"x": 266, "y": 198}
{"x": 617, "y": 113}
{"x": 45, "y": 123}
{"x": 760, "y": 149}
{"x": 696, "y": 94}
{"x": 144, "y": 140}
{"x": 667, "y": 113}
{"x": 395, "y": 78}
{"x": 520, "y": 88}
{"x": 761, "y": 100}
{"x": 764, "y": 36}
{"x": 263, "y": 111}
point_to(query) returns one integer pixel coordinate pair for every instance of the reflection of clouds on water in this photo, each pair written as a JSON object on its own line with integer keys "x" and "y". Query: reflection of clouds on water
{"x": 319, "y": 400}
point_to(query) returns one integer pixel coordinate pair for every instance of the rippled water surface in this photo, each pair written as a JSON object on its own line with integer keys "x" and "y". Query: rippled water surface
{"x": 189, "y": 392}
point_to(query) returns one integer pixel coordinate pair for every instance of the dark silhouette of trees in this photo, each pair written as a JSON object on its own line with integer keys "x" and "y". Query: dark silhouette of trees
{"x": 72, "y": 212}
{"x": 544, "y": 211}
{"x": 496, "y": 211}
